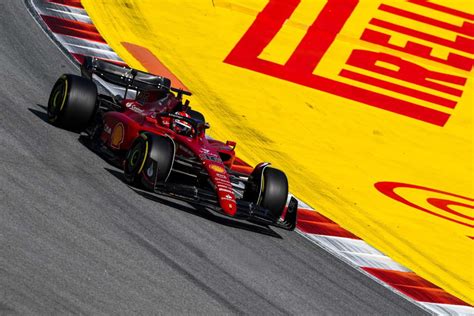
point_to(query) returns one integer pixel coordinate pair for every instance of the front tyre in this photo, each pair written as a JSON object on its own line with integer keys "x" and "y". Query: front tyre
{"x": 149, "y": 160}
{"x": 268, "y": 188}
{"x": 72, "y": 102}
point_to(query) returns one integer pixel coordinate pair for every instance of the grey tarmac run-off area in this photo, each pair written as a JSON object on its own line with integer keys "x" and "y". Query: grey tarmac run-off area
{"x": 75, "y": 239}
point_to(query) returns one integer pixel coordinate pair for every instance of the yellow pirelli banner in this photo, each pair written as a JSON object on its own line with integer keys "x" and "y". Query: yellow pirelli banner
{"x": 366, "y": 105}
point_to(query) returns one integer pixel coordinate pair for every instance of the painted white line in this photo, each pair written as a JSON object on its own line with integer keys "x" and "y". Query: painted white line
{"x": 449, "y": 309}
{"x": 357, "y": 251}
{"x": 347, "y": 244}
{"x": 65, "y": 12}
{"x": 91, "y": 51}
{"x": 80, "y": 42}
{"x": 378, "y": 262}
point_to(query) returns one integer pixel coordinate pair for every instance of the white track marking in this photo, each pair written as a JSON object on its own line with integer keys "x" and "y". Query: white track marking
{"x": 449, "y": 309}
{"x": 62, "y": 11}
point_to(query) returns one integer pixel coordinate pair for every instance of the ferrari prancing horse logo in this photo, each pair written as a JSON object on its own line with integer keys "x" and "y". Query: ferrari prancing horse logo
{"x": 217, "y": 168}
{"x": 116, "y": 139}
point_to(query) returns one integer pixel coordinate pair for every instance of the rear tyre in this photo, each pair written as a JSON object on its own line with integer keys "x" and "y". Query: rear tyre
{"x": 149, "y": 160}
{"x": 72, "y": 102}
{"x": 268, "y": 188}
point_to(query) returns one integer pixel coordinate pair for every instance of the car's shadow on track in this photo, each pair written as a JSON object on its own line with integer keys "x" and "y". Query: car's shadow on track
{"x": 199, "y": 211}
{"x": 43, "y": 115}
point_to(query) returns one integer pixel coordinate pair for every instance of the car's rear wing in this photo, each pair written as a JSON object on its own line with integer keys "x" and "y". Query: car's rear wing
{"x": 126, "y": 77}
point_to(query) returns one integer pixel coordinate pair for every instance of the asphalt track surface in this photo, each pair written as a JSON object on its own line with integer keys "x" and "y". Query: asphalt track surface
{"x": 75, "y": 239}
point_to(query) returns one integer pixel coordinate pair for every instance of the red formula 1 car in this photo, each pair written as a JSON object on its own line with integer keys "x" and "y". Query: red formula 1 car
{"x": 160, "y": 143}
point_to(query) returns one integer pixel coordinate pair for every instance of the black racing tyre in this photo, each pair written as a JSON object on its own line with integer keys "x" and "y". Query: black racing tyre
{"x": 72, "y": 102}
{"x": 149, "y": 160}
{"x": 268, "y": 188}
{"x": 274, "y": 191}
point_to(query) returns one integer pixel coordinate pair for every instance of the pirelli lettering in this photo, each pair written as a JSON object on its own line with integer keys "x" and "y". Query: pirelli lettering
{"x": 408, "y": 60}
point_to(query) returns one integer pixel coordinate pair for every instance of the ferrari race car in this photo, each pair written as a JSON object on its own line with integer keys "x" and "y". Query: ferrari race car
{"x": 161, "y": 144}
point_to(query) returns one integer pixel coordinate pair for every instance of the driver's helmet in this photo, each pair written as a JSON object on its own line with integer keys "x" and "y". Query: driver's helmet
{"x": 182, "y": 127}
